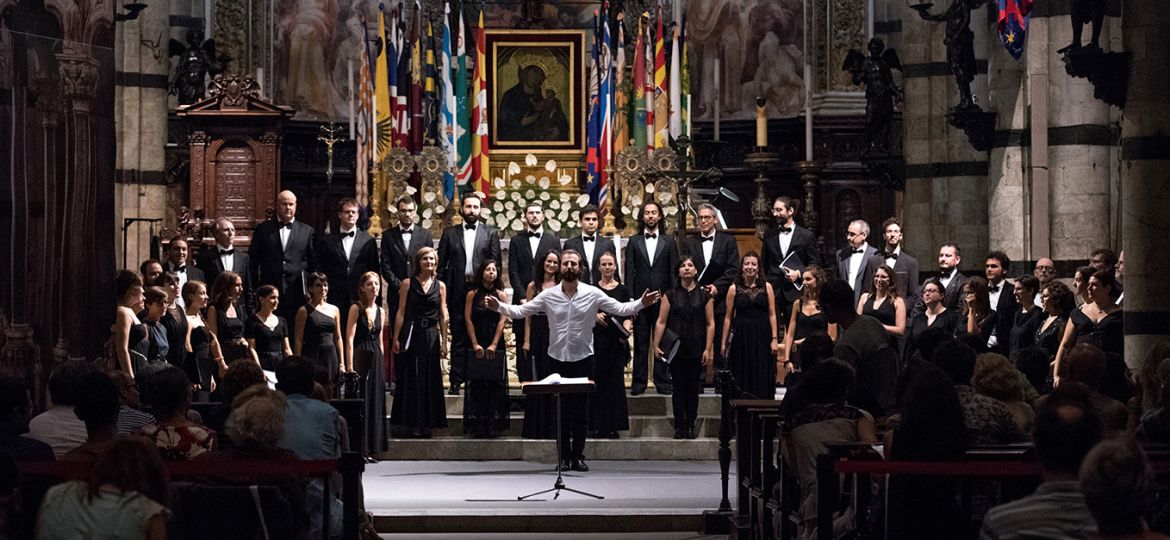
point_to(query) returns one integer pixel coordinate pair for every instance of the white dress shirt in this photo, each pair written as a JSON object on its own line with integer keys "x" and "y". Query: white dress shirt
{"x": 180, "y": 273}
{"x": 226, "y": 260}
{"x": 652, "y": 244}
{"x": 407, "y": 234}
{"x": 708, "y": 247}
{"x": 469, "y": 249}
{"x": 993, "y": 296}
{"x": 947, "y": 280}
{"x": 285, "y": 232}
{"x": 347, "y": 241}
{"x": 855, "y": 260}
{"x": 785, "y": 242}
{"x": 890, "y": 261}
{"x": 571, "y": 319}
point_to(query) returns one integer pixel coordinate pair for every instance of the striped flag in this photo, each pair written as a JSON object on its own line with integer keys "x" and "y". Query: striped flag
{"x": 661, "y": 92}
{"x": 480, "y": 163}
{"x": 402, "y": 81}
{"x": 382, "y": 108}
{"x": 417, "y": 125}
{"x": 462, "y": 116}
{"x": 648, "y": 85}
{"x": 685, "y": 82}
{"x": 361, "y": 168}
{"x": 621, "y": 105}
{"x": 675, "y": 87}
{"x": 592, "y": 123}
{"x": 639, "y": 84}
{"x": 1012, "y": 24}
{"x": 605, "y": 98}
{"x": 431, "y": 98}
{"x": 447, "y": 118}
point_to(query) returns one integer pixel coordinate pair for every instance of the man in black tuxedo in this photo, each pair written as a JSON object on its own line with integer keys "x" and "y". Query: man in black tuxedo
{"x": 787, "y": 238}
{"x": 179, "y": 263}
{"x": 399, "y": 246}
{"x": 651, "y": 264}
{"x": 344, "y": 256}
{"x": 949, "y": 257}
{"x": 462, "y": 248}
{"x": 590, "y": 244}
{"x": 716, "y": 257}
{"x": 282, "y": 252}
{"x": 526, "y": 253}
{"x": 905, "y": 266}
{"x": 224, "y": 257}
{"x": 853, "y": 259}
{"x": 1001, "y": 297}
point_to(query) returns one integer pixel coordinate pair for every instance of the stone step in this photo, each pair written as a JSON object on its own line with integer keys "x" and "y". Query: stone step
{"x": 544, "y": 451}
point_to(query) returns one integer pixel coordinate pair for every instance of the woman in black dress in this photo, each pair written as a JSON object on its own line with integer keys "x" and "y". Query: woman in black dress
{"x": 611, "y": 350}
{"x": 174, "y": 321}
{"x": 485, "y": 409}
{"x": 225, "y": 319}
{"x": 689, "y": 312}
{"x": 934, "y": 315}
{"x": 267, "y": 332}
{"x": 1100, "y": 324}
{"x": 129, "y": 332}
{"x": 318, "y": 329}
{"x": 363, "y": 356}
{"x": 540, "y": 420}
{"x": 1027, "y": 319}
{"x": 1058, "y": 302}
{"x": 981, "y": 319}
{"x": 806, "y": 319}
{"x": 884, "y": 302}
{"x": 750, "y": 335}
{"x": 420, "y": 345}
{"x": 1077, "y": 318}
{"x": 204, "y": 363}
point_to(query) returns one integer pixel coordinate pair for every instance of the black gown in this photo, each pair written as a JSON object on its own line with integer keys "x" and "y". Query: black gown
{"x": 368, "y": 363}
{"x": 750, "y": 350}
{"x": 200, "y": 367}
{"x": 138, "y": 345}
{"x": 418, "y": 398}
{"x": 947, "y": 321}
{"x": 1108, "y": 334}
{"x": 608, "y": 412}
{"x": 228, "y": 330}
{"x": 540, "y": 421}
{"x": 175, "y": 322}
{"x": 269, "y": 341}
{"x": 1023, "y": 333}
{"x": 1048, "y": 339}
{"x": 886, "y": 313}
{"x": 688, "y": 319}
{"x": 319, "y": 342}
{"x": 485, "y": 408}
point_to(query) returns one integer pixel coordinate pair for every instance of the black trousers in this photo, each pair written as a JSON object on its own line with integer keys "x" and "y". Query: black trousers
{"x": 643, "y": 331}
{"x": 574, "y": 409}
{"x": 685, "y": 398}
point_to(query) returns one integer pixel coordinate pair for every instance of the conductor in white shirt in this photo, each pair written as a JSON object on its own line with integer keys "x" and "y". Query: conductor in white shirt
{"x": 572, "y": 312}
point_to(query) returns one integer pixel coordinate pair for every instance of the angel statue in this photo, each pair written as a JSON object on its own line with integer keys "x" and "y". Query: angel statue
{"x": 197, "y": 60}
{"x": 960, "y": 42}
{"x": 1084, "y": 12}
{"x": 881, "y": 92}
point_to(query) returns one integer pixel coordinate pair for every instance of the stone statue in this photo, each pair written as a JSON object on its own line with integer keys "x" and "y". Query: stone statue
{"x": 960, "y": 46}
{"x": 197, "y": 60}
{"x": 1085, "y": 12}
{"x": 532, "y": 10}
{"x": 876, "y": 73}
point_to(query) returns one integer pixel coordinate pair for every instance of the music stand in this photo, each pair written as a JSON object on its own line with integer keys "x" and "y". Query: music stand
{"x": 533, "y": 388}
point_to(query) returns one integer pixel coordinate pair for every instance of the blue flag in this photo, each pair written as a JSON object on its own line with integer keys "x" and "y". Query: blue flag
{"x": 1012, "y": 24}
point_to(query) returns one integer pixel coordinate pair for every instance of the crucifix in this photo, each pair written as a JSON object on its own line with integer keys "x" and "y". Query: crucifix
{"x": 330, "y": 134}
{"x": 684, "y": 176}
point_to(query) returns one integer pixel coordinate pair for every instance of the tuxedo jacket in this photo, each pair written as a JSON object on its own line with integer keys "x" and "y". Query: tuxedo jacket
{"x": 650, "y": 271}
{"x": 864, "y": 272}
{"x": 283, "y": 267}
{"x": 1006, "y": 308}
{"x": 344, "y": 273}
{"x": 577, "y": 243}
{"x": 522, "y": 262}
{"x": 453, "y": 259}
{"x": 804, "y": 245}
{"x": 721, "y": 270}
{"x": 193, "y": 273}
{"x": 905, "y": 273}
{"x": 212, "y": 267}
{"x": 398, "y": 258}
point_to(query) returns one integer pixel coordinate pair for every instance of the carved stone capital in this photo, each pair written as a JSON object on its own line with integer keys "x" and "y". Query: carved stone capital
{"x": 79, "y": 74}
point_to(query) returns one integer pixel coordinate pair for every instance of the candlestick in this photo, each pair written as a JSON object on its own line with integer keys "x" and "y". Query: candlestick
{"x": 808, "y": 115}
{"x": 718, "y": 93}
{"x": 260, "y": 80}
{"x": 350, "y": 90}
{"x": 761, "y": 122}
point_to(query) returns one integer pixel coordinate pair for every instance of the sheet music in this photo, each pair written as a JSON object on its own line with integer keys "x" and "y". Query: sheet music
{"x": 556, "y": 378}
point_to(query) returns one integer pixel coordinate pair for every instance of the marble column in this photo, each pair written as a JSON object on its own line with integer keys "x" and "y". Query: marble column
{"x": 1145, "y": 194}
{"x": 1007, "y": 178}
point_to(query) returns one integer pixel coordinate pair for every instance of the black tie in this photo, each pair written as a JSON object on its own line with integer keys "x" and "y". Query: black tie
{"x": 993, "y": 288}
{"x": 286, "y": 225}
{"x": 533, "y": 234}
{"x": 859, "y": 250}
{"x": 892, "y": 256}
{"x": 470, "y": 227}
{"x": 708, "y": 238}
{"x": 407, "y": 231}
{"x": 348, "y": 234}
{"x": 181, "y": 268}
{"x": 223, "y": 252}
{"x": 784, "y": 230}
{"x": 587, "y": 238}
{"x": 652, "y": 236}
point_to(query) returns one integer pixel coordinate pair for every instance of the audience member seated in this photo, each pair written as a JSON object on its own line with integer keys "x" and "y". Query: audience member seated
{"x": 1155, "y": 424}
{"x": 995, "y": 378}
{"x": 97, "y": 407}
{"x": 927, "y": 342}
{"x": 1036, "y": 366}
{"x": 1085, "y": 364}
{"x": 816, "y": 348}
{"x": 312, "y": 431}
{"x": 1117, "y": 482}
{"x": 932, "y": 429}
{"x": 240, "y": 375}
{"x": 59, "y": 427}
{"x": 177, "y": 438}
{"x": 863, "y": 343}
{"x": 124, "y": 496}
{"x": 989, "y": 421}
{"x": 130, "y": 416}
{"x": 1065, "y": 432}
{"x": 15, "y": 405}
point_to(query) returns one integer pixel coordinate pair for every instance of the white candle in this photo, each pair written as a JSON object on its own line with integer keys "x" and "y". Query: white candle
{"x": 808, "y": 114}
{"x": 717, "y": 94}
{"x": 260, "y": 80}
{"x": 351, "y": 92}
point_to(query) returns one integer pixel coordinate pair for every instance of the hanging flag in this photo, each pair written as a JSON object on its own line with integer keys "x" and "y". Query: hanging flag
{"x": 1012, "y": 24}
{"x": 675, "y": 87}
{"x": 417, "y": 122}
{"x": 481, "y": 169}
{"x": 430, "y": 93}
{"x": 592, "y": 124}
{"x": 605, "y": 98}
{"x": 402, "y": 80}
{"x": 621, "y": 106}
{"x": 447, "y": 118}
{"x": 648, "y": 84}
{"x": 639, "y": 84}
{"x": 661, "y": 91}
{"x": 685, "y": 83}
{"x": 462, "y": 115}
{"x": 361, "y": 168}
{"x": 383, "y": 113}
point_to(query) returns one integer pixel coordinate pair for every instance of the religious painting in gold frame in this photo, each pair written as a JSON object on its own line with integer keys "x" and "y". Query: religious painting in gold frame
{"x": 536, "y": 95}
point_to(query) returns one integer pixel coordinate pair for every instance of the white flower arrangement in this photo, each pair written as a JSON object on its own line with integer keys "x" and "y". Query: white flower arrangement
{"x": 547, "y": 184}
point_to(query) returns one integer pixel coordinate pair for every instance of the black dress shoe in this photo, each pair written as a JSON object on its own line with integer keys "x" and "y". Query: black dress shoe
{"x": 637, "y": 390}
{"x": 664, "y": 390}
{"x": 579, "y": 465}
{"x": 566, "y": 464}
{"x": 691, "y": 433}
{"x": 679, "y": 434}
{"x": 454, "y": 390}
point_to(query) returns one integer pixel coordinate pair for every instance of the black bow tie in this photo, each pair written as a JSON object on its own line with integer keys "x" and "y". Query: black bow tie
{"x": 587, "y": 238}
{"x": 348, "y": 234}
{"x": 784, "y": 230}
{"x": 181, "y": 268}
{"x": 407, "y": 231}
{"x": 286, "y": 225}
{"x": 993, "y": 288}
{"x": 533, "y": 234}
{"x": 652, "y": 236}
{"x": 892, "y": 256}
{"x": 858, "y": 250}
{"x": 223, "y": 252}
{"x": 944, "y": 275}
{"x": 470, "y": 227}
{"x": 708, "y": 238}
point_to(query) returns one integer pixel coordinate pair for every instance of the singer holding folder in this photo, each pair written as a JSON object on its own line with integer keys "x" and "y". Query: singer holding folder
{"x": 572, "y": 309}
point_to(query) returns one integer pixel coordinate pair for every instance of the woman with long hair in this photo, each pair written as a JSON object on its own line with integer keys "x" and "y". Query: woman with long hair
{"x": 363, "y": 356}
{"x": 608, "y": 411}
{"x": 1027, "y": 317}
{"x": 689, "y": 312}
{"x": 485, "y": 410}
{"x": 883, "y": 301}
{"x": 318, "y": 329}
{"x": 267, "y": 332}
{"x": 806, "y": 319}
{"x": 981, "y": 319}
{"x": 750, "y": 332}
{"x": 205, "y": 362}
{"x": 1058, "y": 302}
{"x": 129, "y": 332}
{"x": 225, "y": 319}
{"x": 419, "y": 340}
{"x": 540, "y": 420}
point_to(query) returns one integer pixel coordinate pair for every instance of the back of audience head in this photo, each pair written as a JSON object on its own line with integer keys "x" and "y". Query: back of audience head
{"x": 323, "y": 390}
{"x": 169, "y": 393}
{"x": 130, "y": 464}
{"x": 15, "y": 406}
{"x": 933, "y": 425}
{"x": 1117, "y": 480}
{"x": 127, "y": 280}
{"x": 1066, "y": 429}
{"x": 240, "y": 375}
{"x": 257, "y": 418}
{"x": 1085, "y": 364}
{"x": 836, "y": 299}
{"x": 829, "y": 382}
{"x": 64, "y": 380}
{"x": 97, "y": 401}
{"x": 957, "y": 360}
{"x": 815, "y": 349}
{"x": 974, "y": 341}
{"x": 1035, "y": 365}
{"x": 929, "y": 340}
{"x": 294, "y": 376}
{"x": 996, "y": 378}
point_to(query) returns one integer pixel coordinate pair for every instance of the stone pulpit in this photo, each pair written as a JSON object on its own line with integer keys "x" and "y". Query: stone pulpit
{"x": 234, "y": 147}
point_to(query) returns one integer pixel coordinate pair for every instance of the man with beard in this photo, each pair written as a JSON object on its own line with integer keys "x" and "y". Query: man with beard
{"x": 526, "y": 250}
{"x": 399, "y": 246}
{"x": 905, "y": 266}
{"x": 651, "y": 261}
{"x": 950, "y": 278}
{"x": 572, "y": 312}
{"x": 1045, "y": 272}
{"x": 786, "y": 239}
{"x": 179, "y": 264}
{"x": 462, "y": 248}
